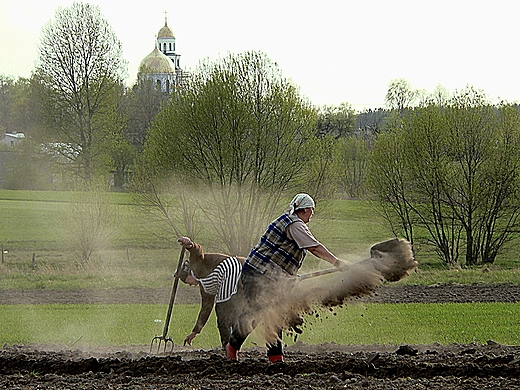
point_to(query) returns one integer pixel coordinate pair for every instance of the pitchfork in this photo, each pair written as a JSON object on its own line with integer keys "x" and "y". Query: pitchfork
{"x": 164, "y": 338}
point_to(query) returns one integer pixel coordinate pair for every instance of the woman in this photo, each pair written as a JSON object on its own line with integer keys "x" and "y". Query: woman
{"x": 270, "y": 269}
{"x": 218, "y": 276}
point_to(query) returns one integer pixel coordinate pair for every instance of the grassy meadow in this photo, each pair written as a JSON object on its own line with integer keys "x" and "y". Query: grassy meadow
{"x": 34, "y": 233}
{"x": 386, "y": 324}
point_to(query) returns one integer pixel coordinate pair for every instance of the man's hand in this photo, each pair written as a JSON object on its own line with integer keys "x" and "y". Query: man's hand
{"x": 185, "y": 242}
{"x": 189, "y": 338}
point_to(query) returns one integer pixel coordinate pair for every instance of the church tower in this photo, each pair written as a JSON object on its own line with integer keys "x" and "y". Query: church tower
{"x": 162, "y": 65}
{"x": 166, "y": 43}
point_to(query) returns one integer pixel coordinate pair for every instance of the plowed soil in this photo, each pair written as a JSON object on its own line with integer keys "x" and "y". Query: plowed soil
{"x": 325, "y": 366}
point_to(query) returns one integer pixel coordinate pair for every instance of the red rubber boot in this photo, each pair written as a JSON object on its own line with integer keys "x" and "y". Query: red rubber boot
{"x": 231, "y": 353}
{"x": 276, "y": 358}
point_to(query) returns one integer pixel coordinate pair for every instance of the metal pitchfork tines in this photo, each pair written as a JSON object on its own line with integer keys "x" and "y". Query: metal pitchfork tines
{"x": 164, "y": 337}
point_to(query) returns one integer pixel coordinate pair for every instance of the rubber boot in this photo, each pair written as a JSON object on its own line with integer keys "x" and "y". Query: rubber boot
{"x": 275, "y": 351}
{"x": 231, "y": 353}
{"x": 276, "y": 358}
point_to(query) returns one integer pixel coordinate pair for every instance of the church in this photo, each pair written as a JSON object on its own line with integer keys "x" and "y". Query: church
{"x": 162, "y": 65}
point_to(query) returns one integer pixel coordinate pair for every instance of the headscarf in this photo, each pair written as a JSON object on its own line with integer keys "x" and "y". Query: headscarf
{"x": 300, "y": 201}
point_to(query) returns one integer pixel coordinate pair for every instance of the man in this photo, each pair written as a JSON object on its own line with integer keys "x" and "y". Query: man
{"x": 271, "y": 267}
{"x": 218, "y": 277}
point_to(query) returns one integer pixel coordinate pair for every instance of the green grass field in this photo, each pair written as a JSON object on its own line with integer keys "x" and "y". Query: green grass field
{"x": 31, "y": 224}
{"x": 386, "y": 324}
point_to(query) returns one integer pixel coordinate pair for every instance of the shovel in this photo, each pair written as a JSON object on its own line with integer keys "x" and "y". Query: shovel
{"x": 318, "y": 273}
{"x": 164, "y": 337}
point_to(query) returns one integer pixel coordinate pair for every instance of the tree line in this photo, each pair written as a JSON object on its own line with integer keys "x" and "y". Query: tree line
{"x": 238, "y": 139}
{"x": 446, "y": 173}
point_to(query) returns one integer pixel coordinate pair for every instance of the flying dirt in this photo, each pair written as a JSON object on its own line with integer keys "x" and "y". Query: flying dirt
{"x": 389, "y": 261}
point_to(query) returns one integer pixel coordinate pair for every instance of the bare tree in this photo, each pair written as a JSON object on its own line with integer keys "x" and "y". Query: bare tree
{"x": 6, "y": 103}
{"x": 141, "y": 105}
{"x": 90, "y": 221}
{"x": 337, "y": 121}
{"x": 236, "y": 132}
{"x": 79, "y": 75}
{"x": 453, "y": 171}
{"x": 400, "y": 95}
{"x": 354, "y": 155}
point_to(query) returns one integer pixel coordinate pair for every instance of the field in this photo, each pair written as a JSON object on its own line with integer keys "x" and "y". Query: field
{"x": 483, "y": 360}
{"x": 35, "y": 226}
{"x": 91, "y": 324}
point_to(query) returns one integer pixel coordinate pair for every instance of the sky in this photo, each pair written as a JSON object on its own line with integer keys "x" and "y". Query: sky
{"x": 335, "y": 51}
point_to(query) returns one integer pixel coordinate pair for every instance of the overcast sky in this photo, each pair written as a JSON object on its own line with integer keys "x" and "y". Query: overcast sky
{"x": 334, "y": 50}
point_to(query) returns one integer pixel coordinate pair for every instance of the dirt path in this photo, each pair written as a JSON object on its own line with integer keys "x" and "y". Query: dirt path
{"x": 390, "y": 294}
{"x": 326, "y": 366}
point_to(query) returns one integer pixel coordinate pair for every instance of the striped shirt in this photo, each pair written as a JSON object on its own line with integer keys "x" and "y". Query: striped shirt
{"x": 223, "y": 281}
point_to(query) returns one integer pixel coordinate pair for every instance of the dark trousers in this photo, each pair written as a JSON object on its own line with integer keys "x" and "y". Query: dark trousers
{"x": 259, "y": 292}
{"x": 227, "y": 314}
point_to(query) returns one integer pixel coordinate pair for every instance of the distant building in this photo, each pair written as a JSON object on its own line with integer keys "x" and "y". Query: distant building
{"x": 6, "y": 153}
{"x": 162, "y": 65}
{"x": 12, "y": 139}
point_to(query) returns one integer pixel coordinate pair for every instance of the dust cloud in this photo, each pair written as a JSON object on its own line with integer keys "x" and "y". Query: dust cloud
{"x": 389, "y": 261}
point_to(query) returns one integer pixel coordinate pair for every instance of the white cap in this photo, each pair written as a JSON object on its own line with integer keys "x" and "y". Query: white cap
{"x": 301, "y": 201}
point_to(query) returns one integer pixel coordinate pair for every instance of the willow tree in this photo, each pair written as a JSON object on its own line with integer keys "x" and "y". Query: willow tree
{"x": 483, "y": 185}
{"x": 235, "y": 132}
{"x": 453, "y": 170}
{"x": 78, "y": 77}
{"x": 389, "y": 182}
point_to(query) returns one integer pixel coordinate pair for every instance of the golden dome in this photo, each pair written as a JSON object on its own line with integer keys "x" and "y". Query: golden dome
{"x": 165, "y": 32}
{"x": 156, "y": 62}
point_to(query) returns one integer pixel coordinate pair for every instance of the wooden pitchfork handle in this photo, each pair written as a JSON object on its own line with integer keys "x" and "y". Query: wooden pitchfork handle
{"x": 174, "y": 292}
{"x": 170, "y": 306}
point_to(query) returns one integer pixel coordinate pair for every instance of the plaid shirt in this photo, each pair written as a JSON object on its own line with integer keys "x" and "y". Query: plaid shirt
{"x": 276, "y": 252}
